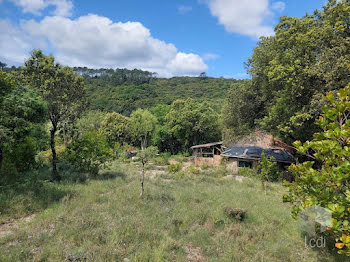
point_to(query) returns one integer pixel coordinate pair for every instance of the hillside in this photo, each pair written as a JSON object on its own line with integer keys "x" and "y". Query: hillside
{"x": 124, "y": 90}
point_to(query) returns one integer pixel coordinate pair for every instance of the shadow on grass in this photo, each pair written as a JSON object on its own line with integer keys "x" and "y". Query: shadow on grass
{"x": 27, "y": 195}
{"x": 110, "y": 174}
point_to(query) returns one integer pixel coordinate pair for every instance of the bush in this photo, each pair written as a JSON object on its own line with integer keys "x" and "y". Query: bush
{"x": 176, "y": 167}
{"x": 268, "y": 169}
{"x": 89, "y": 152}
{"x": 44, "y": 158}
{"x": 326, "y": 184}
{"x": 193, "y": 170}
{"x": 247, "y": 172}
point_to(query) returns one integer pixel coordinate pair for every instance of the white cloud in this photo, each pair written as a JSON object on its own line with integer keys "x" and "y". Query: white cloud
{"x": 247, "y": 17}
{"x": 96, "y": 41}
{"x": 241, "y": 76}
{"x": 278, "y": 6}
{"x": 210, "y": 56}
{"x": 62, "y": 7}
{"x": 187, "y": 64}
{"x": 183, "y": 9}
{"x": 15, "y": 44}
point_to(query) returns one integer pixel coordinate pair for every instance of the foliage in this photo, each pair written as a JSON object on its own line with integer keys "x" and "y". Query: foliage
{"x": 268, "y": 169}
{"x": 90, "y": 121}
{"x": 62, "y": 90}
{"x": 117, "y": 128}
{"x": 147, "y": 153}
{"x": 175, "y": 167}
{"x": 192, "y": 123}
{"x": 290, "y": 71}
{"x": 22, "y": 112}
{"x": 325, "y": 181}
{"x": 89, "y": 152}
{"x": 241, "y": 108}
{"x": 125, "y": 96}
{"x": 248, "y": 172}
{"x": 143, "y": 126}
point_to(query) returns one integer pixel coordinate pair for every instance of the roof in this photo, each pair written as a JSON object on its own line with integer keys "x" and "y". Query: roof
{"x": 207, "y": 145}
{"x": 263, "y": 140}
{"x": 254, "y": 153}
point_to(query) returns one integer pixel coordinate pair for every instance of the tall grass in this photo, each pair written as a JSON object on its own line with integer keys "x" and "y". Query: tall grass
{"x": 177, "y": 220}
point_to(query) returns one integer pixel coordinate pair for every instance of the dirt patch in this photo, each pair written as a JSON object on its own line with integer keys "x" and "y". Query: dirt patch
{"x": 194, "y": 253}
{"x": 7, "y": 229}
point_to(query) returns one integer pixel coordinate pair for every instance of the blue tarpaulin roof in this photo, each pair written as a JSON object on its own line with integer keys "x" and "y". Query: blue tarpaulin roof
{"x": 254, "y": 152}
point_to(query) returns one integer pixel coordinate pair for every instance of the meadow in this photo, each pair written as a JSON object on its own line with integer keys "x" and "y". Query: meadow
{"x": 180, "y": 218}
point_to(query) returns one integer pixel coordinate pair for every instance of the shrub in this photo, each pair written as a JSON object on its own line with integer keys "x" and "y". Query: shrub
{"x": 176, "y": 167}
{"x": 89, "y": 152}
{"x": 268, "y": 169}
{"x": 327, "y": 183}
{"x": 247, "y": 172}
{"x": 193, "y": 170}
{"x": 44, "y": 158}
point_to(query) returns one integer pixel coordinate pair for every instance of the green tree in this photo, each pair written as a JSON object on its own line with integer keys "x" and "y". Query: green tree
{"x": 117, "y": 128}
{"x": 90, "y": 121}
{"x": 192, "y": 123}
{"x": 268, "y": 169}
{"x": 291, "y": 70}
{"x": 22, "y": 112}
{"x": 2, "y": 65}
{"x": 241, "y": 108}
{"x": 143, "y": 126}
{"x": 62, "y": 90}
{"x": 145, "y": 155}
{"x": 89, "y": 152}
{"x": 325, "y": 180}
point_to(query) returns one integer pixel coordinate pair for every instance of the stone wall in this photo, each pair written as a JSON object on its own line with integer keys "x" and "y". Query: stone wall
{"x": 209, "y": 161}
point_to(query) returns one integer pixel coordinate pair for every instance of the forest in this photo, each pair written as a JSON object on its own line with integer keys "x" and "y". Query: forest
{"x": 63, "y": 126}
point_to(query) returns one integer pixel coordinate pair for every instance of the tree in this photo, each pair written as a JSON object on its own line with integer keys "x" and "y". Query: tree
{"x": 143, "y": 126}
{"x": 325, "y": 181}
{"x": 241, "y": 108}
{"x": 2, "y": 65}
{"x": 145, "y": 154}
{"x": 268, "y": 169}
{"x": 22, "y": 112}
{"x": 89, "y": 152}
{"x": 192, "y": 123}
{"x": 203, "y": 75}
{"x": 90, "y": 121}
{"x": 117, "y": 128}
{"x": 62, "y": 90}
{"x": 291, "y": 70}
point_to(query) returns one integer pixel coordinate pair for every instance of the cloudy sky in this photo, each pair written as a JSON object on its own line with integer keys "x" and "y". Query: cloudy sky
{"x": 170, "y": 37}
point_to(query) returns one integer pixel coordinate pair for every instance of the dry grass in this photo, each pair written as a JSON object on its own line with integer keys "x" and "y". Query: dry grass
{"x": 179, "y": 219}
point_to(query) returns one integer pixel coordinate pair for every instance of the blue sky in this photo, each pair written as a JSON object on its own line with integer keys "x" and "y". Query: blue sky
{"x": 164, "y": 36}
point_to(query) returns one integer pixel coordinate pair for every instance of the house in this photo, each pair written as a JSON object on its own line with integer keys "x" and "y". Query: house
{"x": 245, "y": 152}
{"x": 249, "y": 156}
{"x": 208, "y": 154}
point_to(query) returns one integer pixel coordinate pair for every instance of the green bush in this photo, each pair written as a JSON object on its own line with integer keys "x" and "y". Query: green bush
{"x": 176, "y": 167}
{"x": 268, "y": 169}
{"x": 248, "y": 172}
{"x": 89, "y": 152}
{"x": 327, "y": 183}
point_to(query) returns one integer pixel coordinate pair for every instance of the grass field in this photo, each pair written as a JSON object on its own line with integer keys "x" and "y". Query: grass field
{"x": 180, "y": 218}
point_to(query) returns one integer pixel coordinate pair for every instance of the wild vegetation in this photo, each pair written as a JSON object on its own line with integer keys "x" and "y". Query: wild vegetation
{"x": 76, "y": 145}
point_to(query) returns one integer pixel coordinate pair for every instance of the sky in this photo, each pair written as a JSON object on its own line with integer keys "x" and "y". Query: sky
{"x": 169, "y": 37}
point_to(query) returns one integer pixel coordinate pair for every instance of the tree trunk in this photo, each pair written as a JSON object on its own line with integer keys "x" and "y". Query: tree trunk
{"x": 55, "y": 175}
{"x": 142, "y": 177}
